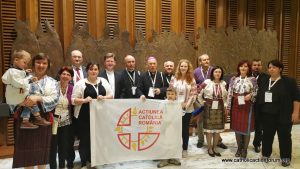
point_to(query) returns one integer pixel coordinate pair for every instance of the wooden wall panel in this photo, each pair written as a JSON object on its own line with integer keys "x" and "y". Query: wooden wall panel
{"x": 178, "y": 15}
{"x": 140, "y": 15}
{"x": 211, "y": 14}
{"x": 122, "y": 15}
{"x": 111, "y": 16}
{"x": 8, "y": 18}
{"x": 221, "y": 14}
{"x": 232, "y": 15}
{"x": 270, "y": 14}
{"x": 199, "y": 13}
{"x": 46, "y": 11}
{"x": 80, "y": 11}
{"x": 286, "y": 35}
{"x": 252, "y": 14}
{"x": 189, "y": 18}
{"x": 298, "y": 47}
{"x": 8, "y": 34}
{"x": 96, "y": 16}
{"x": 166, "y": 11}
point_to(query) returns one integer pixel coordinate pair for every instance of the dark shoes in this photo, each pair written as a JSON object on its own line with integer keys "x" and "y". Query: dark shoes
{"x": 214, "y": 153}
{"x": 162, "y": 163}
{"x": 217, "y": 153}
{"x": 285, "y": 162}
{"x": 257, "y": 149}
{"x": 238, "y": 152}
{"x": 199, "y": 145}
{"x": 221, "y": 145}
{"x": 211, "y": 154}
{"x": 174, "y": 161}
{"x": 244, "y": 153}
{"x": 70, "y": 165}
{"x": 28, "y": 125}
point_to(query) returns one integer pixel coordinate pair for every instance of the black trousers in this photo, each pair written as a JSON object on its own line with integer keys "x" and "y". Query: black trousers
{"x": 258, "y": 129}
{"x": 185, "y": 130}
{"x": 271, "y": 125}
{"x": 63, "y": 144}
{"x": 84, "y": 137}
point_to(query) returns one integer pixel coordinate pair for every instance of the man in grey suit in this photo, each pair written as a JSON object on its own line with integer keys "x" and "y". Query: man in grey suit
{"x": 78, "y": 68}
{"x": 79, "y": 73}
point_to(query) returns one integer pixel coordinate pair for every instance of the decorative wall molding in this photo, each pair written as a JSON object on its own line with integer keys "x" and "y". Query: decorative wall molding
{"x": 43, "y": 40}
{"x": 227, "y": 47}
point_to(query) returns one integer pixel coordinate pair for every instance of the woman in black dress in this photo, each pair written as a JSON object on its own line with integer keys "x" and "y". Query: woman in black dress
{"x": 92, "y": 87}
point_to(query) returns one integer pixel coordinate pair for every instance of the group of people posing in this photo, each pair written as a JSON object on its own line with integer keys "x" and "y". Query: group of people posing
{"x": 49, "y": 113}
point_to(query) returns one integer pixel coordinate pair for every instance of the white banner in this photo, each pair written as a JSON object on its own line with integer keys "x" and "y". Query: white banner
{"x": 129, "y": 129}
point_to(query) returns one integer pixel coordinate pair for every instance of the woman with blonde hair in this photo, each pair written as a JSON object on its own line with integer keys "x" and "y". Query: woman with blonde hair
{"x": 186, "y": 89}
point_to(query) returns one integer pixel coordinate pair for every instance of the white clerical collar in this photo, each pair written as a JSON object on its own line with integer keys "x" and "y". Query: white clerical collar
{"x": 109, "y": 72}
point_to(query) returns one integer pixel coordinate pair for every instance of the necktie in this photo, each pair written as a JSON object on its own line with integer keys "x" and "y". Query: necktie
{"x": 78, "y": 74}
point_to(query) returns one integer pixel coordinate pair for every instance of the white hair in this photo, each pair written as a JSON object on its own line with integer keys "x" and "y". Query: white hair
{"x": 166, "y": 62}
{"x": 201, "y": 56}
{"x": 76, "y": 53}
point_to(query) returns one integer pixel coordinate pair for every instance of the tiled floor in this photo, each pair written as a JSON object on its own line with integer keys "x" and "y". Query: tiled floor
{"x": 198, "y": 158}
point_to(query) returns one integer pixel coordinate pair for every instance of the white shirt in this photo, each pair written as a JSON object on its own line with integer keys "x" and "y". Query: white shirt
{"x": 15, "y": 79}
{"x": 76, "y": 75}
{"x": 111, "y": 80}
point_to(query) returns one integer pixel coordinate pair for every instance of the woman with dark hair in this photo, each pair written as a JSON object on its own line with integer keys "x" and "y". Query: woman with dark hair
{"x": 32, "y": 147}
{"x": 213, "y": 95}
{"x": 62, "y": 132}
{"x": 92, "y": 87}
{"x": 278, "y": 102}
{"x": 241, "y": 94}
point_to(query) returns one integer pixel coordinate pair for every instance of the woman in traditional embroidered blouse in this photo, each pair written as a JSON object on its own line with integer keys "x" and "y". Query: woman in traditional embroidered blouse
{"x": 92, "y": 87}
{"x": 62, "y": 132}
{"x": 32, "y": 146}
{"x": 186, "y": 89}
{"x": 213, "y": 95}
{"x": 241, "y": 93}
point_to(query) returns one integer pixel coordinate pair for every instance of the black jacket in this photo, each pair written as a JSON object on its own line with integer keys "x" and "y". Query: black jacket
{"x": 126, "y": 84}
{"x": 284, "y": 93}
{"x": 117, "y": 82}
{"x": 160, "y": 83}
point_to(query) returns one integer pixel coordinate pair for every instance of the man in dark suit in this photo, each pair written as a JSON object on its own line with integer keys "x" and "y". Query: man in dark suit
{"x": 259, "y": 75}
{"x": 153, "y": 83}
{"x": 113, "y": 77}
{"x": 79, "y": 73}
{"x": 78, "y": 68}
{"x": 130, "y": 80}
{"x": 169, "y": 67}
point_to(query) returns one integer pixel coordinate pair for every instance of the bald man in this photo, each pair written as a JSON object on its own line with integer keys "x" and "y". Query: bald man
{"x": 130, "y": 80}
{"x": 153, "y": 83}
{"x": 169, "y": 67}
{"x": 78, "y": 68}
{"x": 202, "y": 73}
